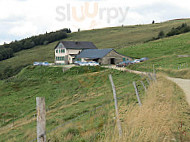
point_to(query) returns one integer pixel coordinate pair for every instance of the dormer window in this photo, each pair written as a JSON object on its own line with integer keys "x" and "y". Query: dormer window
{"x": 62, "y": 50}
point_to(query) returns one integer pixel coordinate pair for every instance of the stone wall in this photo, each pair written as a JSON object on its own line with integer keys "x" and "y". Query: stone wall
{"x": 113, "y": 55}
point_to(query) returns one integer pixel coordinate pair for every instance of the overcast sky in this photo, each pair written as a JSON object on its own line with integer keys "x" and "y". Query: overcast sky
{"x": 24, "y": 18}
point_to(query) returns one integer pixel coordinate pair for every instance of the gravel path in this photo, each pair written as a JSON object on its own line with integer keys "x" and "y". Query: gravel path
{"x": 183, "y": 84}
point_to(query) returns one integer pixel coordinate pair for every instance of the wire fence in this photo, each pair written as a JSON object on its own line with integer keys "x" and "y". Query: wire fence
{"x": 118, "y": 88}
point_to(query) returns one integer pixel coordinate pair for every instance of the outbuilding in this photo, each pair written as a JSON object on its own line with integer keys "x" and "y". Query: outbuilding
{"x": 103, "y": 56}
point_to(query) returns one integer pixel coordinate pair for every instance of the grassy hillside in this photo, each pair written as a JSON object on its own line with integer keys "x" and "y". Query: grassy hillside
{"x": 116, "y": 37}
{"x": 163, "y": 55}
{"x": 164, "y": 116}
{"x": 79, "y": 102}
{"x": 68, "y": 95}
{"x": 80, "y": 106}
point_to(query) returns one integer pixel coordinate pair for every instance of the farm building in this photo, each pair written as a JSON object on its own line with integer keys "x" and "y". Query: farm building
{"x": 102, "y": 56}
{"x": 66, "y": 51}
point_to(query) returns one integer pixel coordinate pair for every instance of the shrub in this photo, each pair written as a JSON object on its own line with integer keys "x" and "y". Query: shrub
{"x": 161, "y": 34}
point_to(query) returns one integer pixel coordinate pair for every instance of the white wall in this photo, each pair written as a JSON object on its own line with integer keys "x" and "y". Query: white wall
{"x": 67, "y": 52}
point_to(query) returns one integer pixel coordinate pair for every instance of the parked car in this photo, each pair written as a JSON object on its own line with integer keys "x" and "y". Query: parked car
{"x": 143, "y": 59}
{"x": 123, "y": 64}
{"x": 77, "y": 63}
{"x": 45, "y": 64}
{"x": 83, "y": 64}
{"x": 41, "y": 64}
{"x": 93, "y": 63}
{"x": 137, "y": 61}
{"x": 36, "y": 63}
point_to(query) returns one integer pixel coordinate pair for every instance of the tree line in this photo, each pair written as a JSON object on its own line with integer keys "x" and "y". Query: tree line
{"x": 8, "y": 50}
{"x": 184, "y": 28}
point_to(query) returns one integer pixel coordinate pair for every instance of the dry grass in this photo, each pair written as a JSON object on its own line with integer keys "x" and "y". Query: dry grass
{"x": 182, "y": 73}
{"x": 157, "y": 120}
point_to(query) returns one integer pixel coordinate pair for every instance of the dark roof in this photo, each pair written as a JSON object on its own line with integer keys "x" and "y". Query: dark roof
{"x": 94, "y": 53}
{"x": 77, "y": 45}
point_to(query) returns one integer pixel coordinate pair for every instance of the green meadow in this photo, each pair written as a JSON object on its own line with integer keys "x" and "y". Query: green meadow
{"x": 114, "y": 37}
{"x": 68, "y": 95}
{"x": 79, "y": 102}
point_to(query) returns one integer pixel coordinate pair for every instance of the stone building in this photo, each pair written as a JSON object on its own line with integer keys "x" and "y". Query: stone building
{"x": 102, "y": 56}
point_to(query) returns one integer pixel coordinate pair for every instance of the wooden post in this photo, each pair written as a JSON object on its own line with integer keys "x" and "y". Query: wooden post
{"x": 4, "y": 119}
{"x": 41, "y": 120}
{"x": 143, "y": 85}
{"x": 147, "y": 81}
{"x": 150, "y": 77}
{"x": 13, "y": 120}
{"x": 154, "y": 76}
{"x": 116, "y": 108}
{"x": 138, "y": 98}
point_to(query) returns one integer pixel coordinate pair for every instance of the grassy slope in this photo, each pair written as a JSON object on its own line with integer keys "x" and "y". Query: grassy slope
{"x": 67, "y": 96}
{"x": 116, "y": 37}
{"x": 164, "y": 116}
{"x": 163, "y": 55}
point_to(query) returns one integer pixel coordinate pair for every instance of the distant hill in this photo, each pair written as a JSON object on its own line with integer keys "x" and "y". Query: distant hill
{"x": 79, "y": 101}
{"x": 115, "y": 37}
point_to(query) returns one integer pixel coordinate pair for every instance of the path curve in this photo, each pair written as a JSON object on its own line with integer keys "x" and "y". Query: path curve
{"x": 184, "y": 84}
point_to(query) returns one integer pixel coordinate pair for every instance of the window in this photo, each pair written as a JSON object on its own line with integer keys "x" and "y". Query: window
{"x": 62, "y": 58}
{"x": 62, "y": 50}
{"x": 56, "y": 51}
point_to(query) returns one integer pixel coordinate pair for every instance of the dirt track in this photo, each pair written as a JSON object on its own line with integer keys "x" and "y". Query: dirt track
{"x": 184, "y": 84}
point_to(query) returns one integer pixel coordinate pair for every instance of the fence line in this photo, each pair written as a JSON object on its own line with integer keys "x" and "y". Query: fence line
{"x": 79, "y": 116}
{"x": 137, "y": 94}
{"x": 70, "y": 121}
{"x": 116, "y": 106}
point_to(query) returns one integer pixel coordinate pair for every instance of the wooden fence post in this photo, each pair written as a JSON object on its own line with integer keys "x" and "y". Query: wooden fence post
{"x": 150, "y": 77}
{"x": 143, "y": 85}
{"x": 147, "y": 81}
{"x": 138, "y": 98}
{"x": 116, "y": 108}
{"x": 41, "y": 120}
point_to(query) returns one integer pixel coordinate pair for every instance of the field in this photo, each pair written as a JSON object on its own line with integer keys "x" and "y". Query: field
{"x": 79, "y": 102}
{"x": 164, "y": 116}
{"x": 116, "y": 37}
{"x": 68, "y": 95}
{"x": 163, "y": 54}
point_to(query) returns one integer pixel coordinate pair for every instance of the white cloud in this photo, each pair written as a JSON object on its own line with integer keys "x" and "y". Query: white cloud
{"x": 23, "y": 18}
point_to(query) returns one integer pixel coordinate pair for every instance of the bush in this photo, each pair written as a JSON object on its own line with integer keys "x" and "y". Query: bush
{"x": 184, "y": 28}
{"x": 161, "y": 34}
{"x": 179, "y": 30}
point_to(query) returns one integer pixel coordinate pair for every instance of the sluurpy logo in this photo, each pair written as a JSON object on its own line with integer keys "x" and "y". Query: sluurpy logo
{"x": 93, "y": 12}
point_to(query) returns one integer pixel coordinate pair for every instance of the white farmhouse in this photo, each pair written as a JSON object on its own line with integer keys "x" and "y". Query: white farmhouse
{"x": 66, "y": 51}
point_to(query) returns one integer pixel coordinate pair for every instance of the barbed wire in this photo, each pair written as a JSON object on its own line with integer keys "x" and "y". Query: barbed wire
{"x": 104, "y": 81}
{"x": 84, "y": 114}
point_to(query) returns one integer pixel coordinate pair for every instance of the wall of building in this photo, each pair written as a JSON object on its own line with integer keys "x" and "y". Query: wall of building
{"x": 67, "y": 57}
{"x": 116, "y": 56}
{"x": 59, "y": 47}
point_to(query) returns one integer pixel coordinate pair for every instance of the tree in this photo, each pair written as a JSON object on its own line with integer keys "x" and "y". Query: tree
{"x": 153, "y": 22}
{"x": 69, "y": 30}
{"x": 161, "y": 34}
